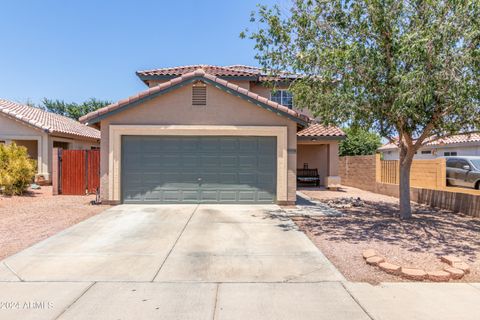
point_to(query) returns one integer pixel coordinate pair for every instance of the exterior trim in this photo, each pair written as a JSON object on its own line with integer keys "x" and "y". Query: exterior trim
{"x": 117, "y": 131}
{"x": 42, "y": 150}
{"x": 188, "y": 81}
{"x": 320, "y": 138}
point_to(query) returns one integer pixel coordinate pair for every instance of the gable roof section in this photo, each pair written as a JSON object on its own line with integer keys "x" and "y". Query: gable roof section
{"x": 190, "y": 77}
{"x": 46, "y": 121}
{"x": 473, "y": 137}
{"x": 228, "y": 72}
{"x": 318, "y": 130}
{"x": 217, "y": 71}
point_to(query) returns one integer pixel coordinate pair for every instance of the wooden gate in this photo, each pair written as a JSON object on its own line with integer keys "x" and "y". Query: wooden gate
{"x": 78, "y": 171}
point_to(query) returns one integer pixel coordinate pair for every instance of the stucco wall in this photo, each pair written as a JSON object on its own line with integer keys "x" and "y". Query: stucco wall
{"x": 175, "y": 108}
{"x": 11, "y": 129}
{"x": 317, "y": 158}
{"x": 321, "y": 155}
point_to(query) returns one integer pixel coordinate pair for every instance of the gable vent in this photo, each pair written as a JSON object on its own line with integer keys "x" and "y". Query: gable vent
{"x": 199, "y": 94}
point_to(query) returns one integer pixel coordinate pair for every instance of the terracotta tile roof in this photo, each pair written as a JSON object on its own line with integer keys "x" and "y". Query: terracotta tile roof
{"x": 458, "y": 138}
{"x": 47, "y": 121}
{"x": 318, "y": 130}
{"x": 213, "y": 70}
{"x": 473, "y": 137}
{"x": 199, "y": 73}
{"x": 236, "y": 70}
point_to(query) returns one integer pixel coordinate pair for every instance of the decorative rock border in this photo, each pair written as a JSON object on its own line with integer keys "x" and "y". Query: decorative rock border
{"x": 456, "y": 269}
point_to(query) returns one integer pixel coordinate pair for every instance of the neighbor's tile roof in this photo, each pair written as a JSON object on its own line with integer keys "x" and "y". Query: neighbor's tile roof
{"x": 196, "y": 73}
{"x": 47, "y": 121}
{"x": 236, "y": 70}
{"x": 318, "y": 130}
{"x": 453, "y": 139}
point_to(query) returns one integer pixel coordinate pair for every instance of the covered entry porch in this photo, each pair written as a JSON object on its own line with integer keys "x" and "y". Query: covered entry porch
{"x": 317, "y": 154}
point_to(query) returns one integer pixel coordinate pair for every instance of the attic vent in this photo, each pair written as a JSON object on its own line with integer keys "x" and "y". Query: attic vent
{"x": 199, "y": 94}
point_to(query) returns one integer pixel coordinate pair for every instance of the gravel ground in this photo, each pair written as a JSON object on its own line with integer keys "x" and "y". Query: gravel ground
{"x": 27, "y": 219}
{"x": 418, "y": 242}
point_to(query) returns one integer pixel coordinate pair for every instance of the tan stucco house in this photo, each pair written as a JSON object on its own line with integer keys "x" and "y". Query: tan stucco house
{"x": 41, "y": 131}
{"x": 210, "y": 134}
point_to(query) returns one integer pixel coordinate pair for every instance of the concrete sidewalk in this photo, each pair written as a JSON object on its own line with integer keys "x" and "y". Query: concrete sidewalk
{"x": 159, "y": 300}
{"x": 204, "y": 262}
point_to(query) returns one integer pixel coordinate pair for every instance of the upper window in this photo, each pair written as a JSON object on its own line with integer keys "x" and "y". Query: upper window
{"x": 427, "y": 152}
{"x": 283, "y": 97}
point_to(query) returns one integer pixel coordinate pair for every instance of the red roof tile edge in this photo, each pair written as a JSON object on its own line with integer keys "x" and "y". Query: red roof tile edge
{"x": 319, "y": 130}
{"x": 47, "y": 121}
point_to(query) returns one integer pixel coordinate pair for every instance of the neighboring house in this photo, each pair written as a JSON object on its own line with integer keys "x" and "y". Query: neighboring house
{"x": 209, "y": 134}
{"x": 40, "y": 131}
{"x": 467, "y": 144}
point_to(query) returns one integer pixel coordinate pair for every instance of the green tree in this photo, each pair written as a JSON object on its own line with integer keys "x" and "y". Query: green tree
{"x": 71, "y": 109}
{"x": 407, "y": 69}
{"x": 359, "y": 142}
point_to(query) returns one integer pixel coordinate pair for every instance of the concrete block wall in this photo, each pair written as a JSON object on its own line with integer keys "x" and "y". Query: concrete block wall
{"x": 363, "y": 172}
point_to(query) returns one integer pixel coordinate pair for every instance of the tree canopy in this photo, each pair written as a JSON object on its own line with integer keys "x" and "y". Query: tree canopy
{"x": 359, "y": 142}
{"x": 408, "y": 69}
{"x": 71, "y": 109}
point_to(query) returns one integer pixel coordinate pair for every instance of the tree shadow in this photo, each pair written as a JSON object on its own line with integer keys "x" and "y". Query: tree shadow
{"x": 430, "y": 230}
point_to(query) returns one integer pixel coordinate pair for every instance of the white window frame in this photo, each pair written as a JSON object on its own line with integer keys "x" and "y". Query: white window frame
{"x": 281, "y": 97}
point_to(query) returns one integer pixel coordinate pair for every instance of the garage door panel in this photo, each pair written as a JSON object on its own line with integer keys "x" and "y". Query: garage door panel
{"x": 209, "y": 160}
{"x": 246, "y": 196}
{"x": 247, "y": 161}
{"x": 228, "y": 144}
{"x": 229, "y": 161}
{"x": 198, "y": 169}
{"x": 190, "y": 161}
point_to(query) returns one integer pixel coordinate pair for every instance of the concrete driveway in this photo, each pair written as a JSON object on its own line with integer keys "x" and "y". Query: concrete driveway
{"x": 180, "y": 243}
{"x": 197, "y": 262}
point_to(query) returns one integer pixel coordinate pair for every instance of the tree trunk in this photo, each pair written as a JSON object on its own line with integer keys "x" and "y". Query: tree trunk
{"x": 406, "y": 159}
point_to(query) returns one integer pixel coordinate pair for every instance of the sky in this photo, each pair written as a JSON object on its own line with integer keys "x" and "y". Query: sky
{"x": 76, "y": 50}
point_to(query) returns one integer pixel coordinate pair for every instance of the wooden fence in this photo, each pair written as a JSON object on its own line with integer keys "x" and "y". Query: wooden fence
{"x": 430, "y": 174}
{"x": 75, "y": 172}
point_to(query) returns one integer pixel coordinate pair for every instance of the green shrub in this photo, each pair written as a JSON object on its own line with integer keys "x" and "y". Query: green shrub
{"x": 16, "y": 169}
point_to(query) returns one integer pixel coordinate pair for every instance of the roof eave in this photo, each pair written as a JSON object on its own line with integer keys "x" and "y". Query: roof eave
{"x": 146, "y": 78}
{"x": 309, "y": 138}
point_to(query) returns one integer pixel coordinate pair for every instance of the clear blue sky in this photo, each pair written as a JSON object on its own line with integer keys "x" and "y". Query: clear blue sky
{"x": 74, "y": 50}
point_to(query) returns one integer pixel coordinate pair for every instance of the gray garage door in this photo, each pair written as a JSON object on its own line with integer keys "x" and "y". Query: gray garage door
{"x": 161, "y": 169}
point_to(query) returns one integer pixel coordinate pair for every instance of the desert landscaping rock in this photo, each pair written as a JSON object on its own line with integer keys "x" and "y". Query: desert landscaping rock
{"x": 375, "y": 260}
{"x": 414, "y": 274}
{"x": 369, "y": 253}
{"x": 451, "y": 260}
{"x": 438, "y": 276}
{"x": 390, "y": 268}
{"x": 455, "y": 273}
{"x": 462, "y": 266}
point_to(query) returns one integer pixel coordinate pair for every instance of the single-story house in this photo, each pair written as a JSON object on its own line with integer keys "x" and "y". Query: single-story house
{"x": 210, "y": 134}
{"x": 41, "y": 131}
{"x": 467, "y": 144}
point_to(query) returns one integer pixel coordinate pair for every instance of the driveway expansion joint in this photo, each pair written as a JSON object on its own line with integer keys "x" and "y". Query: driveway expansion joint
{"x": 215, "y": 302}
{"x": 175, "y": 243}
{"x": 13, "y": 271}
{"x": 74, "y": 301}
{"x": 356, "y": 301}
